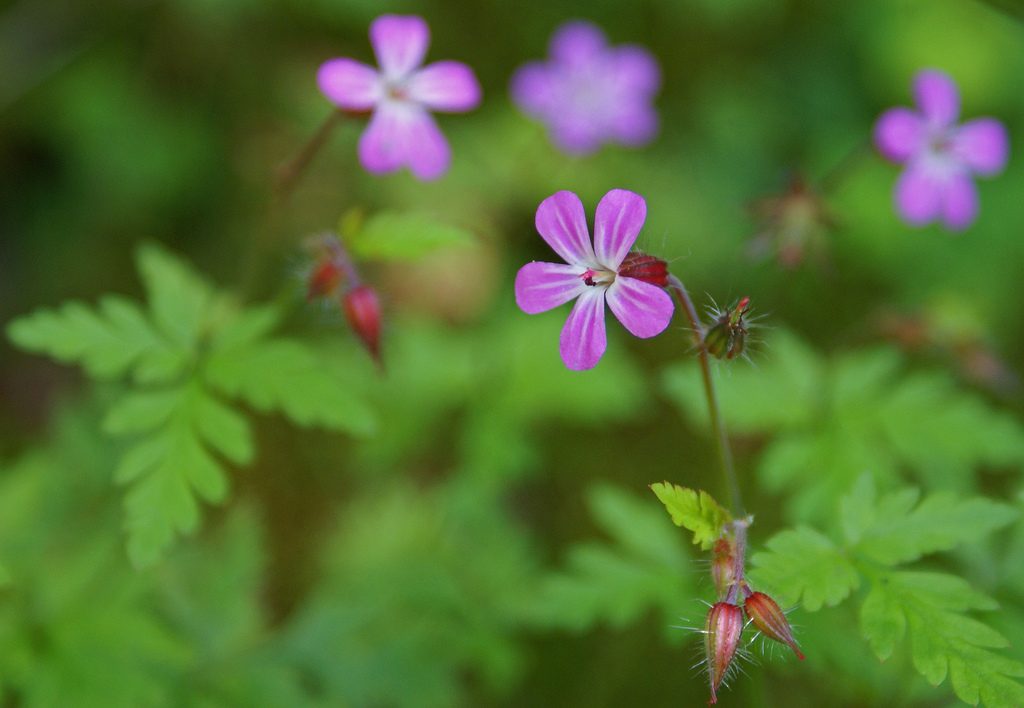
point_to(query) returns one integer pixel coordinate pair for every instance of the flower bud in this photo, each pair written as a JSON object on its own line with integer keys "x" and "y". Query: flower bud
{"x": 721, "y": 638}
{"x": 771, "y": 620}
{"x": 324, "y": 280}
{"x": 362, "y": 310}
{"x": 723, "y": 566}
{"x": 727, "y": 337}
{"x": 646, "y": 268}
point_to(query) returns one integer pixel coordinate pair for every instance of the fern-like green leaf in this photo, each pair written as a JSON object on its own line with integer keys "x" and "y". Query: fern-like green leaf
{"x": 178, "y": 297}
{"x": 171, "y": 464}
{"x": 830, "y": 420}
{"x": 645, "y": 567}
{"x": 107, "y": 341}
{"x": 944, "y": 641}
{"x": 802, "y": 565}
{"x": 697, "y": 511}
{"x": 285, "y": 375}
{"x": 893, "y": 530}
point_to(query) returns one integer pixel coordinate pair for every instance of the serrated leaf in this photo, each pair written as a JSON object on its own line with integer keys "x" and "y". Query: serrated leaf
{"x": 694, "y": 510}
{"x": 645, "y": 567}
{"x": 177, "y": 296}
{"x": 171, "y": 464}
{"x": 285, "y": 375}
{"x": 403, "y": 236}
{"x": 801, "y": 564}
{"x": 944, "y": 641}
{"x": 107, "y": 341}
{"x": 891, "y": 530}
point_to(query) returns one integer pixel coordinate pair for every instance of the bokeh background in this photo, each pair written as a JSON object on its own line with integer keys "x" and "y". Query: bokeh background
{"x": 492, "y": 541}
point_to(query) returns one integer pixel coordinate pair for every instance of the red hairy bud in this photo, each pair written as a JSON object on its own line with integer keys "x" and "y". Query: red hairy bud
{"x": 324, "y": 280}
{"x": 721, "y": 638}
{"x": 771, "y": 620}
{"x": 362, "y": 310}
{"x": 723, "y": 566}
{"x": 646, "y": 268}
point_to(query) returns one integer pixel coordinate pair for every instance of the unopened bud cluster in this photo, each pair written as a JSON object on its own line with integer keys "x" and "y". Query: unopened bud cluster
{"x": 726, "y": 338}
{"x": 723, "y": 628}
{"x": 334, "y": 277}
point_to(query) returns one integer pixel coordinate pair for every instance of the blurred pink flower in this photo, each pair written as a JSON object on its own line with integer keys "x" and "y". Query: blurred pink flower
{"x": 401, "y": 133}
{"x": 594, "y": 274}
{"x": 589, "y": 93}
{"x": 941, "y": 157}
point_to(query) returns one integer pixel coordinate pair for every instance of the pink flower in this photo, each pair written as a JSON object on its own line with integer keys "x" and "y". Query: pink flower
{"x": 941, "y": 157}
{"x": 589, "y": 93}
{"x": 594, "y": 274}
{"x": 401, "y": 133}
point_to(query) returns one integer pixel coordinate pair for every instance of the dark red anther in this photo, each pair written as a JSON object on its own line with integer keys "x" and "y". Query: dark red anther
{"x": 646, "y": 268}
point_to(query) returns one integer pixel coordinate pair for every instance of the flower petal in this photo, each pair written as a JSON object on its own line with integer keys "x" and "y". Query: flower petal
{"x": 959, "y": 202}
{"x": 919, "y": 195}
{"x": 400, "y": 43}
{"x": 563, "y": 224}
{"x": 982, "y": 145}
{"x": 349, "y": 84}
{"x": 382, "y": 145}
{"x": 644, "y": 309}
{"x": 634, "y": 70}
{"x": 401, "y": 134}
{"x": 427, "y": 149}
{"x": 634, "y": 125}
{"x": 533, "y": 89}
{"x": 446, "y": 86}
{"x": 899, "y": 134}
{"x": 620, "y": 216}
{"x": 577, "y": 44}
{"x": 544, "y": 286}
{"x": 583, "y": 339}
{"x": 575, "y": 133}
{"x": 937, "y": 97}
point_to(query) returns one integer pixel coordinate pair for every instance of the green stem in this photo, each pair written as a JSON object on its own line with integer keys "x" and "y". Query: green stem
{"x": 289, "y": 173}
{"x": 715, "y": 413}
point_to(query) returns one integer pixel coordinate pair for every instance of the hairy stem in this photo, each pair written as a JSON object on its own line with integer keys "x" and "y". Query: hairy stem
{"x": 289, "y": 173}
{"x": 715, "y": 413}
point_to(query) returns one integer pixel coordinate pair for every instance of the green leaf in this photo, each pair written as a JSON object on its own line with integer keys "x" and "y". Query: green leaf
{"x": 396, "y": 236}
{"x": 285, "y": 375}
{"x": 801, "y": 563}
{"x": 944, "y": 641}
{"x": 106, "y": 341}
{"x": 178, "y": 297}
{"x": 891, "y": 530}
{"x": 5, "y": 577}
{"x": 171, "y": 464}
{"x": 693, "y": 510}
{"x": 645, "y": 567}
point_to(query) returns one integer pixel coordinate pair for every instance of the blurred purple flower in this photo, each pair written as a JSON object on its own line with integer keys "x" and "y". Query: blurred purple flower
{"x": 401, "y": 131}
{"x": 941, "y": 156}
{"x": 593, "y": 274}
{"x": 590, "y": 93}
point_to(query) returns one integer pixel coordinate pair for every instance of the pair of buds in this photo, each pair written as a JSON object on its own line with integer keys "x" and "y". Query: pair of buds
{"x": 334, "y": 272}
{"x": 724, "y": 627}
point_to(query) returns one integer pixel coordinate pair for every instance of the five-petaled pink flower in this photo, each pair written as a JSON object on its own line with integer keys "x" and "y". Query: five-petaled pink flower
{"x": 595, "y": 274}
{"x": 941, "y": 157}
{"x": 589, "y": 93}
{"x": 401, "y": 133}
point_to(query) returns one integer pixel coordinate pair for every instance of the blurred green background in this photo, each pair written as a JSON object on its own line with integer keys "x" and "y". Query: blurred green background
{"x": 491, "y": 541}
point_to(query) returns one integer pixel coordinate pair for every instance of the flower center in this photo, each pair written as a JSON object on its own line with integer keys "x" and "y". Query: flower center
{"x": 594, "y": 277}
{"x": 396, "y": 91}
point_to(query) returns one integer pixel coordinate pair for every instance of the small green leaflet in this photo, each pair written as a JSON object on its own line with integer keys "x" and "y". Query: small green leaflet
{"x": 189, "y": 348}
{"x": 694, "y": 510}
{"x": 402, "y": 236}
{"x": 930, "y": 608}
